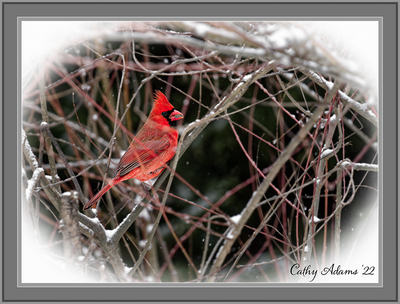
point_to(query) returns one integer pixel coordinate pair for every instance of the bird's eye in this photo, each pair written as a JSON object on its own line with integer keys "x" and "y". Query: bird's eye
{"x": 165, "y": 114}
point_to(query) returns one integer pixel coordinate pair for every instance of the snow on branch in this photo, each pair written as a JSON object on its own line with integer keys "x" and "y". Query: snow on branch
{"x": 360, "y": 166}
{"x": 32, "y": 182}
{"x": 360, "y": 108}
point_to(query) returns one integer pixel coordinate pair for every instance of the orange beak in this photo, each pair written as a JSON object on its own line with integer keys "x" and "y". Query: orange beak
{"x": 175, "y": 115}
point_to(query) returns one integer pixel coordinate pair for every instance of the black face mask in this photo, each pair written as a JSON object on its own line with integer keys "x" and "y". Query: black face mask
{"x": 167, "y": 114}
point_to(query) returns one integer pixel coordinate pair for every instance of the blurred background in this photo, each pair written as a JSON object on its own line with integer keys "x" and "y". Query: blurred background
{"x": 97, "y": 89}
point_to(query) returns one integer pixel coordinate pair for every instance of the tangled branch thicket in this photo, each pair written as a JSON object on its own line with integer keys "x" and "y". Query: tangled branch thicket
{"x": 276, "y": 162}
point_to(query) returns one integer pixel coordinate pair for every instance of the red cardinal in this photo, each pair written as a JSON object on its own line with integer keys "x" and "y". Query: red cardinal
{"x": 150, "y": 150}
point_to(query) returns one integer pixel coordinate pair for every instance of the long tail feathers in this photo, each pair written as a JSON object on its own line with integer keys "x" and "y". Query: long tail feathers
{"x": 93, "y": 201}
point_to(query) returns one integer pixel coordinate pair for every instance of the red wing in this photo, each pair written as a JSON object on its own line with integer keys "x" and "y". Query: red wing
{"x": 139, "y": 154}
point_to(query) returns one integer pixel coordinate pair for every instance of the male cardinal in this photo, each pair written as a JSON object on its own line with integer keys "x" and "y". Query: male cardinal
{"x": 154, "y": 145}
